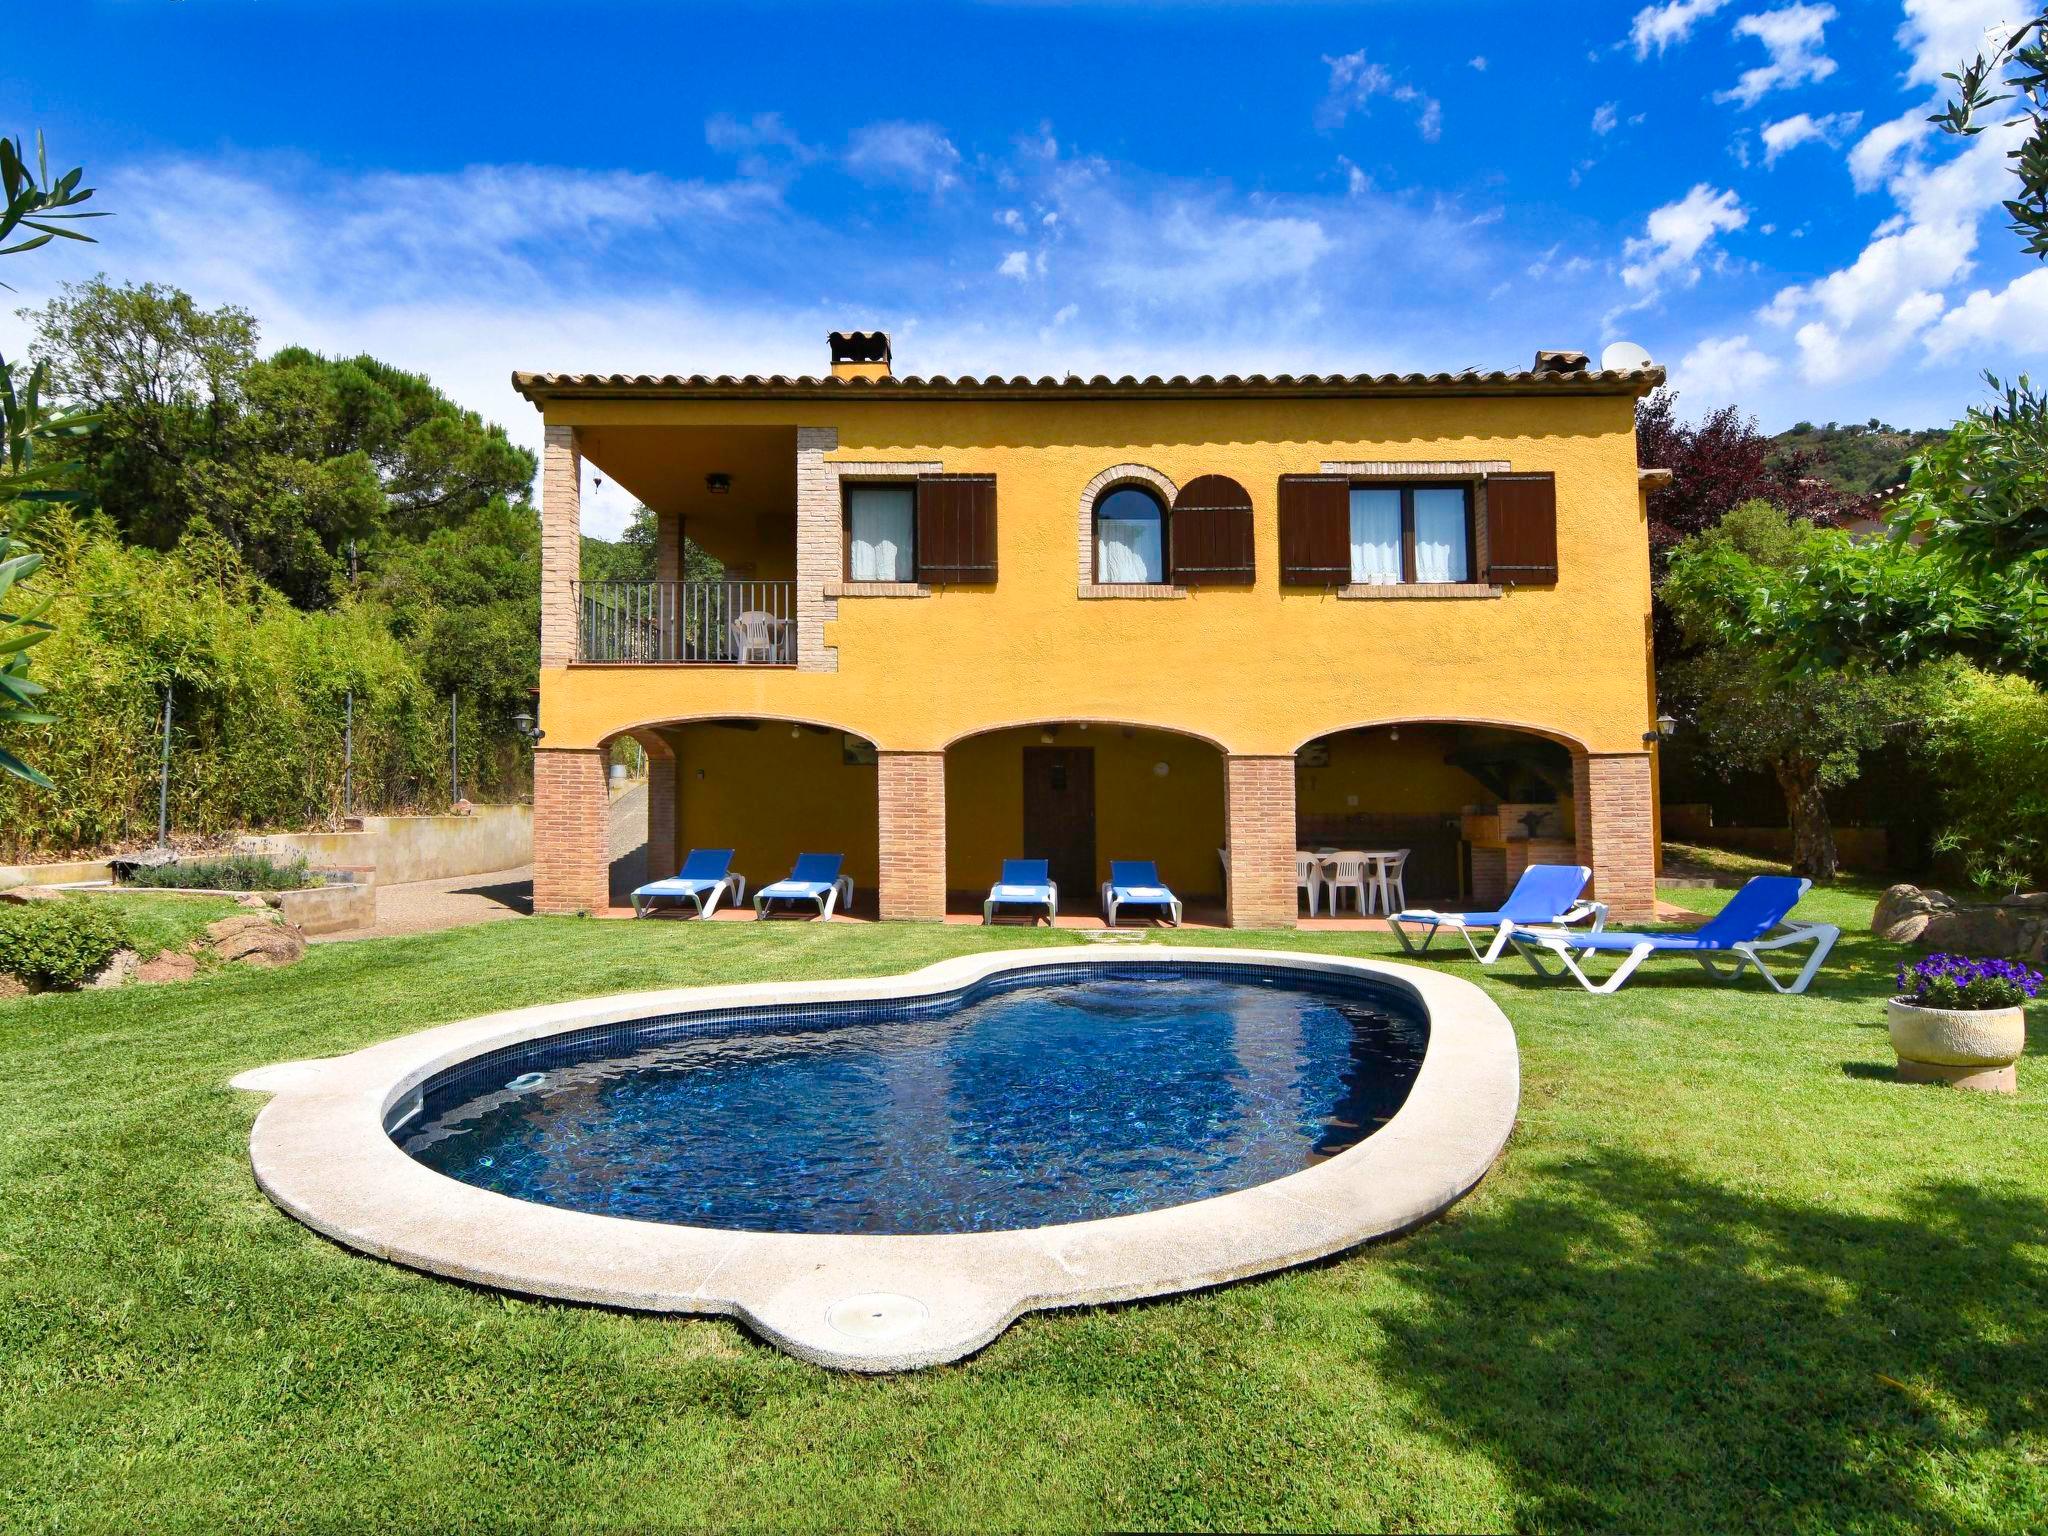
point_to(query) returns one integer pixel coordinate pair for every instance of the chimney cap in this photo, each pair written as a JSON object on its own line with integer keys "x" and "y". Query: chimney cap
{"x": 1560, "y": 361}
{"x": 859, "y": 346}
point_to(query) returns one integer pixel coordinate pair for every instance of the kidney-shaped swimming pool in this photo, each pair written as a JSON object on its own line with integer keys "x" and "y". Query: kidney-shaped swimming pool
{"x": 1054, "y": 1095}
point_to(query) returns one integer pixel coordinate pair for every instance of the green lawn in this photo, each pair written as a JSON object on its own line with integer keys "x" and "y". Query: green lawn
{"x": 1728, "y": 1275}
{"x": 157, "y": 923}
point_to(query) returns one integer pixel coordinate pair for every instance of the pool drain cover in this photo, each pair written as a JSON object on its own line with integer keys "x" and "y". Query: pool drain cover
{"x": 878, "y": 1316}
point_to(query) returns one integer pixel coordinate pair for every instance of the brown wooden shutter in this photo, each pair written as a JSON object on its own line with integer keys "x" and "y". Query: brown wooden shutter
{"x": 1315, "y": 530}
{"x": 1521, "y": 529}
{"x": 956, "y": 528}
{"x": 1211, "y": 533}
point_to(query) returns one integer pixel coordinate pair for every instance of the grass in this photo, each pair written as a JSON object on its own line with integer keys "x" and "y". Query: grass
{"x": 1699, "y": 859}
{"x": 158, "y": 923}
{"x": 1728, "y": 1276}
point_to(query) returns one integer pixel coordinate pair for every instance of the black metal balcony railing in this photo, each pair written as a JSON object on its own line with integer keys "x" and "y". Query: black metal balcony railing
{"x": 740, "y": 623}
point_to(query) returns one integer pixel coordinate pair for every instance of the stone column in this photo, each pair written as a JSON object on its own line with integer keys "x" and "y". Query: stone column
{"x": 819, "y": 559}
{"x": 1259, "y": 823}
{"x": 912, "y": 799}
{"x": 561, "y": 545}
{"x": 668, "y": 546}
{"x": 571, "y": 819}
{"x": 1611, "y": 802}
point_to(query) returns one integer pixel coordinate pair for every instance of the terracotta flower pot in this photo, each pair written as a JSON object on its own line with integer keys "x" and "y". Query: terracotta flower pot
{"x": 1965, "y": 1047}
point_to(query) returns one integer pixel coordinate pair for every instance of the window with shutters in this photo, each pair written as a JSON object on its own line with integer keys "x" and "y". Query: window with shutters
{"x": 1211, "y": 528}
{"x": 1362, "y": 535}
{"x": 937, "y": 528}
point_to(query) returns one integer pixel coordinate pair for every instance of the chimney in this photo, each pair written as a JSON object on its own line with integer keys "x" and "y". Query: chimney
{"x": 860, "y": 354}
{"x": 1561, "y": 362}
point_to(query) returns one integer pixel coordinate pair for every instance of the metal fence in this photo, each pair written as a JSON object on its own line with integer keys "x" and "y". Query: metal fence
{"x": 740, "y": 623}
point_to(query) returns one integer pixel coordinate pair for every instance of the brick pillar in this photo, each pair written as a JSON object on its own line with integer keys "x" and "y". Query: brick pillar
{"x": 912, "y": 796}
{"x": 561, "y": 545}
{"x": 668, "y": 546}
{"x": 1259, "y": 822}
{"x": 663, "y": 856}
{"x": 571, "y": 817}
{"x": 1611, "y": 803}
{"x": 818, "y": 555}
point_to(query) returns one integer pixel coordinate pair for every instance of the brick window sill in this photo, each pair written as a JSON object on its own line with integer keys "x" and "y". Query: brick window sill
{"x": 877, "y": 589}
{"x": 1131, "y": 589}
{"x": 1402, "y": 591}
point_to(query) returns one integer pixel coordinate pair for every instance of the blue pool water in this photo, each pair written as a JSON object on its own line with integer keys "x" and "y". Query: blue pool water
{"x": 1048, "y": 1096}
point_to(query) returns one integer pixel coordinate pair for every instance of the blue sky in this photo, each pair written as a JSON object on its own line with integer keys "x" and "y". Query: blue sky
{"x": 1744, "y": 187}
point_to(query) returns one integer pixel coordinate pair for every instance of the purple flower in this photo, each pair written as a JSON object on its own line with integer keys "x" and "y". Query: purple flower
{"x": 1956, "y": 981}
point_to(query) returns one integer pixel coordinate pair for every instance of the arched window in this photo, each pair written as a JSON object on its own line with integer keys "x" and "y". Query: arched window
{"x": 1130, "y": 537}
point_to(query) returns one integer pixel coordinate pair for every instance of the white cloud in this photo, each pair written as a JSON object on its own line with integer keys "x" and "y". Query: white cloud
{"x": 1792, "y": 37}
{"x": 1804, "y": 128}
{"x": 766, "y": 146}
{"x": 1011, "y": 220}
{"x": 1356, "y": 182}
{"x": 1674, "y": 238}
{"x": 1017, "y": 264}
{"x": 1479, "y": 63}
{"x": 1942, "y": 35}
{"x": 1065, "y": 313}
{"x": 1723, "y": 370}
{"x": 2015, "y": 316}
{"x": 1871, "y": 160}
{"x": 1861, "y": 316}
{"x": 1355, "y": 80}
{"x": 1660, "y": 26}
{"x": 906, "y": 154}
{"x": 1605, "y": 116}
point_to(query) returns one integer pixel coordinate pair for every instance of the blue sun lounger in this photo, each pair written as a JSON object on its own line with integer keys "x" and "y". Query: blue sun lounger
{"x": 1547, "y": 895}
{"x": 1135, "y": 882}
{"x": 815, "y": 878}
{"x": 1738, "y": 935}
{"x": 1025, "y": 883}
{"x": 705, "y": 878}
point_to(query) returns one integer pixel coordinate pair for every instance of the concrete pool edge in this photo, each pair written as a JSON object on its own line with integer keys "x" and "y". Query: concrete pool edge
{"x": 321, "y": 1153}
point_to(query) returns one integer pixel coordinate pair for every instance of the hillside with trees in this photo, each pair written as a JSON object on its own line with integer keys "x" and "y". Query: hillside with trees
{"x": 1857, "y": 458}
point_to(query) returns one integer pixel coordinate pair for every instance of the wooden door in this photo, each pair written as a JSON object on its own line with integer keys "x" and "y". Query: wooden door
{"x": 1059, "y": 818}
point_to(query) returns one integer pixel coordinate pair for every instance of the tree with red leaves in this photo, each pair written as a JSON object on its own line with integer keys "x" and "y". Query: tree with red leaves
{"x": 1720, "y": 463}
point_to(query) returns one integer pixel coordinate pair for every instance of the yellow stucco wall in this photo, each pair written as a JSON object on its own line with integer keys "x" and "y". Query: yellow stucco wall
{"x": 769, "y": 796}
{"x": 1256, "y": 670}
{"x": 1176, "y": 819}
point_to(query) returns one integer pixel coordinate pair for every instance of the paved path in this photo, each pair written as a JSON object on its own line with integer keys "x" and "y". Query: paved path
{"x": 428, "y": 906}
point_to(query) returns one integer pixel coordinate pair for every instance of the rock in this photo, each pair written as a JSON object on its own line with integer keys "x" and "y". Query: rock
{"x": 11, "y": 987}
{"x": 1903, "y": 912}
{"x": 26, "y": 893}
{"x": 228, "y": 927}
{"x": 273, "y": 945}
{"x": 171, "y": 965}
{"x": 119, "y": 971}
{"x": 253, "y": 899}
{"x": 126, "y": 864}
{"x": 1974, "y": 931}
{"x": 462, "y": 808}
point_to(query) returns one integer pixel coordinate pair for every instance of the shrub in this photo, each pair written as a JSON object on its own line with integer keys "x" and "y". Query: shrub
{"x": 1955, "y": 981}
{"x": 232, "y": 872}
{"x": 1989, "y": 739}
{"x": 57, "y": 943}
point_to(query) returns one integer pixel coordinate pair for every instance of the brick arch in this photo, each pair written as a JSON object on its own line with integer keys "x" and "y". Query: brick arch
{"x": 1114, "y": 722}
{"x": 641, "y": 730}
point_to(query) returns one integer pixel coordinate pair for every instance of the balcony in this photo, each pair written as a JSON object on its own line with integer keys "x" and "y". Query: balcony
{"x": 672, "y": 623}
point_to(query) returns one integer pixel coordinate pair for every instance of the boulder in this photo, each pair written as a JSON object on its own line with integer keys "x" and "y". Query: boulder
{"x": 1975, "y": 931}
{"x": 171, "y": 965}
{"x": 24, "y": 893}
{"x": 119, "y": 971}
{"x": 228, "y": 927}
{"x": 274, "y": 945}
{"x": 1904, "y": 912}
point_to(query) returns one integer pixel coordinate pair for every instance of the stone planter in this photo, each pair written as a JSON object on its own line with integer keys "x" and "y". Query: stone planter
{"x": 1964, "y": 1047}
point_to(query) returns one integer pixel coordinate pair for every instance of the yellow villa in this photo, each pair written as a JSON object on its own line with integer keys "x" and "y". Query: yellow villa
{"x": 1208, "y": 622}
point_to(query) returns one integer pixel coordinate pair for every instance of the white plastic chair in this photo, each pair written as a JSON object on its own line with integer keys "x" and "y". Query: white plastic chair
{"x": 1393, "y": 882}
{"x": 1349, "y": 872}
{"x": 755, "y": 636}
{"x": 1308, "y": 876}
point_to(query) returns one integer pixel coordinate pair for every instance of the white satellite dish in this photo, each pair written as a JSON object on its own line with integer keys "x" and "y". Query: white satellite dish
{"x": 1624, "y": 357}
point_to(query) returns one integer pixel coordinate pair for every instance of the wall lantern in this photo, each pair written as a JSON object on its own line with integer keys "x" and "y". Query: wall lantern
{"x": 1665, "y": 727}
{"x": 718, "y": 483}
{"x": 1049, "y": 735}
{"x": 523, "y": 724}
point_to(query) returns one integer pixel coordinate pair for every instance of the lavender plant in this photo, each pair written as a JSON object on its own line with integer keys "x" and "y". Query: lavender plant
{"x": 1956, "y": 981}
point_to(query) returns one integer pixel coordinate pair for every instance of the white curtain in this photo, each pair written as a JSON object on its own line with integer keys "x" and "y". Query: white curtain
{"x": 882, "y": 520}
{"x": 1440, "y": 550}
{"x": 1128, "y": 549}
{"x": 1375, "y": 535}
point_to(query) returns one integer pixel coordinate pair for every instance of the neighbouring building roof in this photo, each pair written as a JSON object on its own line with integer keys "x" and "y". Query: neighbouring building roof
{"x": 542, "y": 387}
